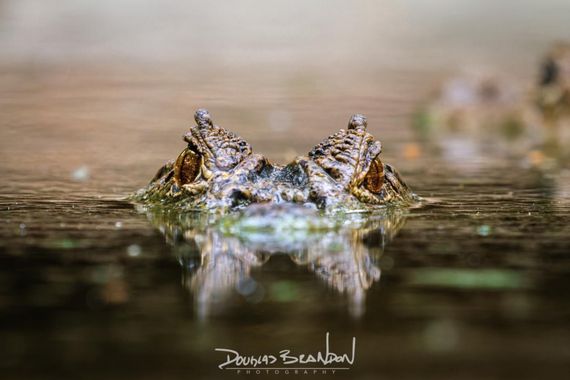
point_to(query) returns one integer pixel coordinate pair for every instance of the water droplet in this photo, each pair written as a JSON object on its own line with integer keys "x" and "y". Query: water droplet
{"x": 81, "y": 174}
{"x": 246, "y": 286}
{"x": 484, "y": 230}
{"x": 134, "y": 250}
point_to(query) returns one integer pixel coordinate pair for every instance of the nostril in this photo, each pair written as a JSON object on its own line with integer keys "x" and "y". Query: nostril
{"x": 240, "y": 197}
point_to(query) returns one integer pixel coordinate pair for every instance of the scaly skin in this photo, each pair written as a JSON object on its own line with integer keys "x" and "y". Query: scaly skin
{"x": 219, "y": 171}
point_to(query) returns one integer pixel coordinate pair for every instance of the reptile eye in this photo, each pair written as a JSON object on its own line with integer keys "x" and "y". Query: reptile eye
{"x": 375, "y": 177}
{"x": 187, "y": 167}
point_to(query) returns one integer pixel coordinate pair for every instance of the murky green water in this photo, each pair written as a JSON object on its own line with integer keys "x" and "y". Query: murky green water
{"x": 472, "y": 285}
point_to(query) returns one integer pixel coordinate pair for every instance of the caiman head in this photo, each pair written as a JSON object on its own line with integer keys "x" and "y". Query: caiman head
{"x": 218, "y": 170}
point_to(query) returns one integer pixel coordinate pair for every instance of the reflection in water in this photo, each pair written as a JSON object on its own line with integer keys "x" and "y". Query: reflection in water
{"x": 218, "y": 254}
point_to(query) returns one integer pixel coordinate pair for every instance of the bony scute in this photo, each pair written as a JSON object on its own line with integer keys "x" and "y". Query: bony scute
{"x": 218, "y": 170}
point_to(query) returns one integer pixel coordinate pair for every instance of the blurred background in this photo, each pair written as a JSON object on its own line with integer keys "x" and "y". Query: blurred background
{"x": 318, "y": 34}
{"x": 95, "y": 96}
{"x": 134, "y": 71}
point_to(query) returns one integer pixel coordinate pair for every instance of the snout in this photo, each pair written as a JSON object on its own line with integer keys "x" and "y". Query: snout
{"x": 396, "y": 186}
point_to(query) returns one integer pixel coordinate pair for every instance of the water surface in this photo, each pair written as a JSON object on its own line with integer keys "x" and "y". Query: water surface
{"x": 472, "y": 285}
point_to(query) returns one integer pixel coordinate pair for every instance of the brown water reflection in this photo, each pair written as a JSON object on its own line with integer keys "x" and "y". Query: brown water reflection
{"x": 218, "y": 257}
